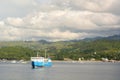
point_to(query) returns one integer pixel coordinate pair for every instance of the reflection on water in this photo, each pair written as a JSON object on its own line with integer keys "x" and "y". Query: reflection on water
{"x": 61, "y": 71}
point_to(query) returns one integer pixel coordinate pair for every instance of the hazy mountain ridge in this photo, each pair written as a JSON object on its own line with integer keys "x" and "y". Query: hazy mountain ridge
{"x": 114, "y": 37}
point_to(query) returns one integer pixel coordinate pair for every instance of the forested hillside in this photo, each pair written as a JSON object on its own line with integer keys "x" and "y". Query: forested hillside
{"x": 74, "y": 50}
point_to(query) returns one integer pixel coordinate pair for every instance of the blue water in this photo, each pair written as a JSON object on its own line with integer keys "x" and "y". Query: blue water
{"x": 61, "y": 71}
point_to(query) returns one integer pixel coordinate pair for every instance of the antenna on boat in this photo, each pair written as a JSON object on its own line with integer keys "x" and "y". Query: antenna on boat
{"x": 37, "y": 54}
{"x": 45, "y": 53}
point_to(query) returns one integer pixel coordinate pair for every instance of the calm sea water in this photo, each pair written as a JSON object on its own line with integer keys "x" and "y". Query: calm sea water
{"x": 62, "y": 71}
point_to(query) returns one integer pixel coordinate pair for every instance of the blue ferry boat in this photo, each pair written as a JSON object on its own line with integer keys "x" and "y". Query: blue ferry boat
{"x": 40, "y": 62}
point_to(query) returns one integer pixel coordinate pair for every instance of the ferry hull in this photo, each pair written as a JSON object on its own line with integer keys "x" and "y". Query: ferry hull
{"x": 41, "y": 64}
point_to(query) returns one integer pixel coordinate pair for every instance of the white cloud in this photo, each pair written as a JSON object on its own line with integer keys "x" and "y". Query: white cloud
{"x": 97, "y": 5}
{"x": 15, "y": 21}
{"x": 1, "y": 23}
{"x": 93, "y": 5}
{"x": 56, "y": 34}
{"x": 82, "y": 20}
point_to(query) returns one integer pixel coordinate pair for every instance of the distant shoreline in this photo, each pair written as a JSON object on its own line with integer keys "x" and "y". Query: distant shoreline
{"x": 85, "y": 61}
{"x": 68, "y": 61}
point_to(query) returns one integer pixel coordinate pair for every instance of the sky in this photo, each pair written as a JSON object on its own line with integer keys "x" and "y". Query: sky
{"x": 58, "y": 20}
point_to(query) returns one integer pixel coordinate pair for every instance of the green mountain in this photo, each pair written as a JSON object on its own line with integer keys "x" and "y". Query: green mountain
{"x": 105, "y": 47}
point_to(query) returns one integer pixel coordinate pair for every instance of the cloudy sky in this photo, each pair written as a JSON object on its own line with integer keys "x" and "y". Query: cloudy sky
{"x": 56, "y": 20}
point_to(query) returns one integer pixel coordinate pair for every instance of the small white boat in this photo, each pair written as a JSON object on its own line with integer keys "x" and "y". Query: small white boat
{"x": 13, "y": 61}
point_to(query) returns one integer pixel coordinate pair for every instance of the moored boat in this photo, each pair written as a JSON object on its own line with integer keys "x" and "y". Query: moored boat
{"x": 40, "y": 62}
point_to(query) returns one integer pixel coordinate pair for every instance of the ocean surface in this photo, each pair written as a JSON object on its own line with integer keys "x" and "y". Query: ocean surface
{"x": 61, "y": 71}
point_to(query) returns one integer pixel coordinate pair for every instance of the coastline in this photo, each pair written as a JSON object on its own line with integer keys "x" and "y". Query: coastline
{"x": 64, "y": 61}
{"x": 112, "y": 61}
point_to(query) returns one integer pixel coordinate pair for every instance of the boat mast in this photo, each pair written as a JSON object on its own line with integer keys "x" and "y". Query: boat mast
{"x": 37, "y": 54}
{"x": 45, "y": 53}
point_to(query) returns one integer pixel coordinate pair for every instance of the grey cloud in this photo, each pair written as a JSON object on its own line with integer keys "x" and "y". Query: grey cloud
{"x": 61, "y": 23}
{"x": 56, "y": 19}
{"x": 115, "y": 8}
{"x": 16, "y": 8}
